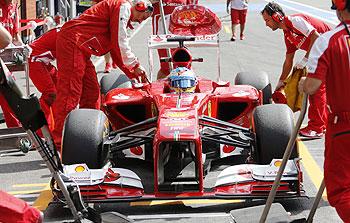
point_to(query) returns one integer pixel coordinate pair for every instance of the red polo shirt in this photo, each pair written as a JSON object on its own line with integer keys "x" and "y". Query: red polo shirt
{"x": 329, "y": 61}
{"x": 300, "y": 28}
{"x": 9, "y": 17}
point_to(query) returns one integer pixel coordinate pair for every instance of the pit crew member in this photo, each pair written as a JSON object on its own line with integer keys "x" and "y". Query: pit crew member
{"x": 41, "y": 71}
{"x": 300, "y": 32}
{"x": 329, "y": 63}
{"x": 9, "y": 18}
{"x": 100, "y": 29}
{"x": 13, "y": 209}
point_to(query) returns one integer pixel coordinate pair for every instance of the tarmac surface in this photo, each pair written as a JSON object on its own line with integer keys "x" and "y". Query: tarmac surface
{"x": 27, "y": 177}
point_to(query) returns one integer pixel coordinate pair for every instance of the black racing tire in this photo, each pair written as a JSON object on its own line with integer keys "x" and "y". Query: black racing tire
{"x": 259, "y": 80}
{"x": 113, "y": 80}
{"x": 273, "y": 125}
{"x": 84, "y": 133}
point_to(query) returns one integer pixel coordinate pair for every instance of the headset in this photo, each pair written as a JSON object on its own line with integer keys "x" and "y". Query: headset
{"x": 276, "y": 16}
{"x": 142, "y": 6}
{"x": 340, "y": 4}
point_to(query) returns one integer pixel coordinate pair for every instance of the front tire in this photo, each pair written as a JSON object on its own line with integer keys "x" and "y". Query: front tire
{"x": 273, "y": 125}
{"x": 84, "y": 133}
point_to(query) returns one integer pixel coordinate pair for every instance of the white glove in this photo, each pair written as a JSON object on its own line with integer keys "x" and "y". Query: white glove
{"x": 279, "y": 85}
{"x": 301, "y": 64}
{"x": 33, "y": 25}
{"x": 49, "y": 20}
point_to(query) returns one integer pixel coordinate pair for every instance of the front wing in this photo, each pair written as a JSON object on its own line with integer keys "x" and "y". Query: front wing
{"x": 240, "y": 181}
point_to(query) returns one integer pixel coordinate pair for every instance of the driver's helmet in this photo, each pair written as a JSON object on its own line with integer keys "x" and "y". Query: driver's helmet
{"x": 182, "y": 79}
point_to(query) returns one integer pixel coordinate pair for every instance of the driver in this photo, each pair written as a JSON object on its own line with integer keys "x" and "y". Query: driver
{"x": 182, "y": 80}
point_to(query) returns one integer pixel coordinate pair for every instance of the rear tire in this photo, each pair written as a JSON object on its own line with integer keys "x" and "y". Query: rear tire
{"x": 84, "y": 132}
{"x": 113, "y": 80}
{"x": 259, "y": 80}
{"x": 273, "y": 125}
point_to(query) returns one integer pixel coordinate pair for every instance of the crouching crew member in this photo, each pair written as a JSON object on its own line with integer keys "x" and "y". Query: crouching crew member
{"x": 100, "y": 29}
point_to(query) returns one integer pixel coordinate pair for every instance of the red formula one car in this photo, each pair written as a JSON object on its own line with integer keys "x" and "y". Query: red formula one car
{"x": 184, "y": 136}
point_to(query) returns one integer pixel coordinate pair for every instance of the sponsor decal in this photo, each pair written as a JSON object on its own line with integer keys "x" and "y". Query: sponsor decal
{"x": 163, "y": 38}
{"x": 176, "y": 124}
{"x": 138, "y": 151}
{"x": 277, "y": 163}
{"x": 176, "y": 128}
{"x": 188, "y": 15}
{"x": 121, "y": 96}
{"x": 177, "y": 114}
{"x": 240, "y": 94}
{"x": 157, "y": 39}
{"x": 79, "y": 169}
{"x": 206, "y": 37}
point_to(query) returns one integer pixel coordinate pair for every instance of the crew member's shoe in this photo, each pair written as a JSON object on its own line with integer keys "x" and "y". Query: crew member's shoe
{"x": 309, "y": 133}
{"x": 114, "y": 65}
{"x": 233, "y": 38}
{"x": 242, "y": 37}
{"x": 108, "y": 68}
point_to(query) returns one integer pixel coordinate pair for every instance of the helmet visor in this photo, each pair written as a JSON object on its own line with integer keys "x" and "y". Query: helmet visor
{"x": 182, "y": 82}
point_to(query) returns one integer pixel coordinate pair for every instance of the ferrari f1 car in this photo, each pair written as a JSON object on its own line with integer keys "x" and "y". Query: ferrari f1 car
{"x": 163, "y": 139}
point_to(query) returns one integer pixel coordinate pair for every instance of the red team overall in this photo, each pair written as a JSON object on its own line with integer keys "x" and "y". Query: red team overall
{"x": 10, "y": 20}
{"x": 300, "y": 31}
{"x": 157, "y": 27}
{"x": 100, "y": 29}
{"x": 329, "y": 63}
{"x": 42, "y": 73}
{"x": 13, "y": 209}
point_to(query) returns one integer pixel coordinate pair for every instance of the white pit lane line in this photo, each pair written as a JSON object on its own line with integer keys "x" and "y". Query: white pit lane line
{"x": 101, "y": 59}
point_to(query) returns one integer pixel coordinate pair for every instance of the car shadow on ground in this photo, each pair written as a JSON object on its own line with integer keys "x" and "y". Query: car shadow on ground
{"x": 22, "y": 166}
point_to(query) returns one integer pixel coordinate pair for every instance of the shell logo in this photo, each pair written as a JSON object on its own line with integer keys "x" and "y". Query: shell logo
{"x": 278, "y": 163}
{"x": 177, "y": 114}
{"x": 79, "y": 169}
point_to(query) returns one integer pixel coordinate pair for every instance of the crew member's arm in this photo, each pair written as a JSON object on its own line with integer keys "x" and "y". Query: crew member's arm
{"x": 17, "y": 40}
{"x": 310, "y": 32}
{"x": 313, "y": 37}
{"x": 310, "y": 85}
{"x": 5, "y": 37}
{"x": 126, "y": 59}
{"x": 318, "y": 67}
{"x": 287, "y": 67}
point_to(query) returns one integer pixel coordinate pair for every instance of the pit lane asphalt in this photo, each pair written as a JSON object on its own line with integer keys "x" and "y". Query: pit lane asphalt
{"x": 262, "y": 50}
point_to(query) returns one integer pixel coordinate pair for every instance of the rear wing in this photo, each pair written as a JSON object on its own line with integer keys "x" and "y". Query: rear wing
{"x": 171, "y": 41}
{"x": 161, "y": 41}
